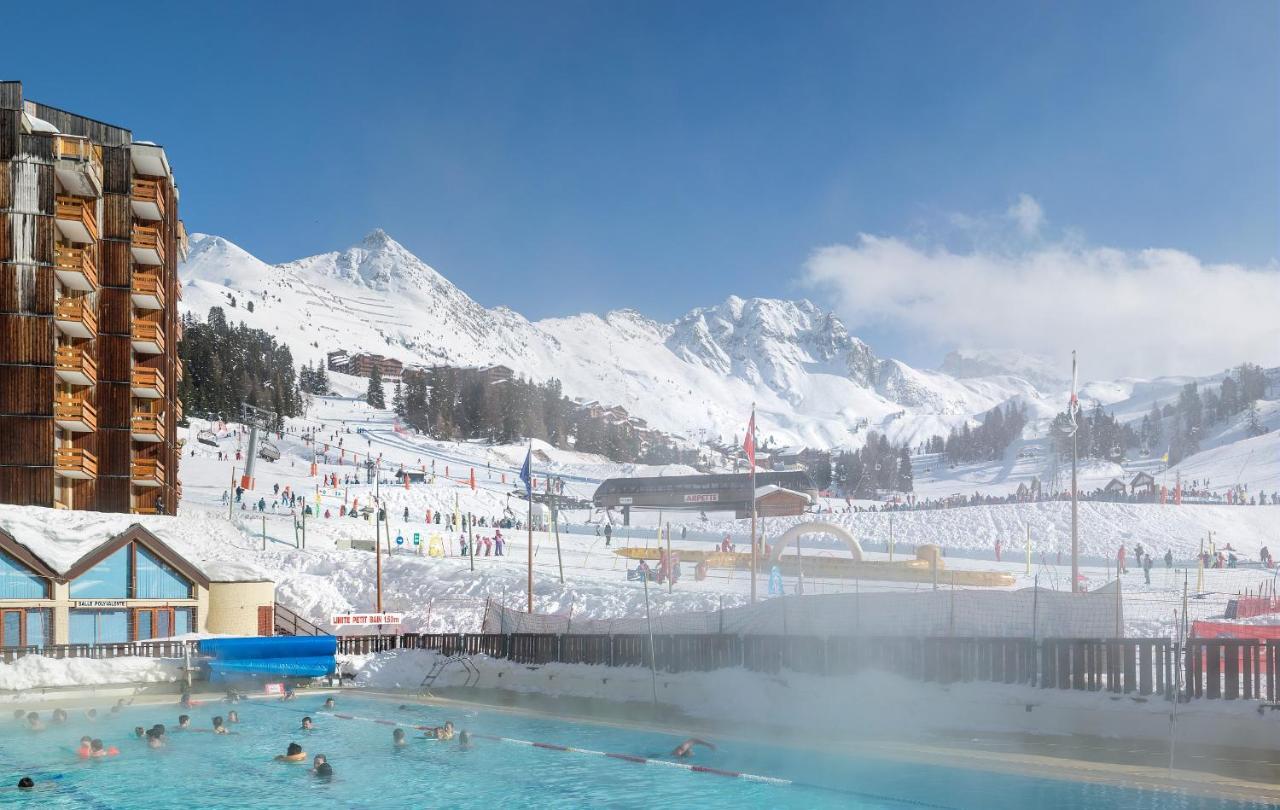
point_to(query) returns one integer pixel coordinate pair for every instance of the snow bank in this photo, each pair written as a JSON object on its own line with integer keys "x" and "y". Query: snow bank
{"x": 36, "y": 672}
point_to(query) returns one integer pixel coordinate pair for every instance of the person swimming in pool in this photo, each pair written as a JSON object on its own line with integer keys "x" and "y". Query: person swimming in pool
{"x": 288, "y": 693}
{"x": 139, "y": 732}
{"x": 218, "y": 727}
{"x": 329, "y": 704}
{"x": 397, "y": 737}
{"x": 59, "y": 716}
{"x": 320, "y": 761}
{"x": 464, "y": 740}
{"x": 184, "y": 722}
{"x": 293, "y": 753}
{"x": 155, "y": 739}
{"x": 233, "y": 716}
{"x": 160, "y": 730}
{"x": 323, "y": 771}
{"x": 33, "y": 721}
{"x": 446, "y": 732}
{"x": 26, "y": 783}
{"x": 86, "y": 745}
{"x": 185, "y": 700}
{"x": 97, "y": 749}
{"x": 307, "y": 725}
{"x": 685, "y": 749}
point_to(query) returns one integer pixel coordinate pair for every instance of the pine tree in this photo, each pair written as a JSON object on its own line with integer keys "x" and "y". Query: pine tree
{"x": 906, "y": 480}
{"x": 397, "y": 400}
{"x": 374, "y": 395}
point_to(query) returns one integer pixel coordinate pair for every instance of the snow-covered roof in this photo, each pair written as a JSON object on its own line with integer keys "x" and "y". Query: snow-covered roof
{"x": 769, "y": 489}
{"x": 61, "y": 538}
{"x": 39, "y": 124}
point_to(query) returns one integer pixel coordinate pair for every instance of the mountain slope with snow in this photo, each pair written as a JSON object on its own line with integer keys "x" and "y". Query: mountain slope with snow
{"x": 812, "y": 381}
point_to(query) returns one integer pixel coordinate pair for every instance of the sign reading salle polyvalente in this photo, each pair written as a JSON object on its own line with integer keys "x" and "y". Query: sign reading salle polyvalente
{"x": 97, "y": 603}
{"x": 702, "y": 497}
{"x": 363, "y": 619}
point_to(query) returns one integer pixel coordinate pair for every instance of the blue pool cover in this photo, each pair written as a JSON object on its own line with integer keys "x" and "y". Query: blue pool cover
{"x": 291, "y": 656}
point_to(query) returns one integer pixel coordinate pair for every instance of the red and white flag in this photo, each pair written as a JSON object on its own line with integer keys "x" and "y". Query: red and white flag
{"x": 749, "y": 444}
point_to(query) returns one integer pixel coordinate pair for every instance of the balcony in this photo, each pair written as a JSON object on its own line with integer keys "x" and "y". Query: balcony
{"x": 75, "y": 317}
{"x": 179, "y": 368}
{"x": 147, "y": 199}
{"x": 177, "y": 411}
{"x": 75, "y": 268}
{"x": 79, "y": 165}
{"x": 146, "y": 290}
{"x": 184, "y": 244}
{"x": 147, "y": 383}
{"x": 74, "y": 365}
{"x": 146, "y": 472}
{"x": 69, "y": 462}
{"x": 77, "y": 218}
{"x": 74, "y": 413}
{"x": 147, "y": 426}
{"x": 148, "y": 245}
{"x": 147, "y": 337}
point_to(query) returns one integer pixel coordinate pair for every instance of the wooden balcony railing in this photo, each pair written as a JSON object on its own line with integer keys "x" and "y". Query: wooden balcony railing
{"x": 76, "y": 365}
{"x": 149, "y": 379}
{"x": 177, "y": 410}
{"x": 179, "y": 368}
{"x": 184, "y": 244}
{"x": 147, "y": 472}
{"x": 74, "y": 409}
{"x": 77, "y": 261}
{"x": 147, "y": 290}
{"x": 150, "y": 333}
{"x": 74, "y": 463}
{"x": 147, "y": 423}
{"x": 149, "y": 191}
{"x": 79, "y": 210}
{"x": 77, "y": 310}
{"x": 77, "y": 147}
{"x": 147, "y": 238}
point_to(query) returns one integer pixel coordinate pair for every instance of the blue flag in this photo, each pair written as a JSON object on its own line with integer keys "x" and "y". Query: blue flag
{"x": 526, "y": 473}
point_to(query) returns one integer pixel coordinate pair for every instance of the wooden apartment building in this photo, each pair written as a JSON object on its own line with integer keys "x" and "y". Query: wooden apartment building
{"x": 90, "y": 242}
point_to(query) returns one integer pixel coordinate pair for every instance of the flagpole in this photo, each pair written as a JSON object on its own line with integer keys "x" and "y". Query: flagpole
{"x": 1075, "y": 452}
{"x": 752, "y": 461}
{"x": 528, "y": 484}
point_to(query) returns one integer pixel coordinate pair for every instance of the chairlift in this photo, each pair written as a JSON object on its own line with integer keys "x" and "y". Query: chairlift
{"x": 268, "y": 451}
{"x": 207, "y": 437}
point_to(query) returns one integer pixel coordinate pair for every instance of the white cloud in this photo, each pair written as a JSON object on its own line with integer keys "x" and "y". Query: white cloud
{"x": 1028, "y": 215}
{"x": 1143, "y": 313}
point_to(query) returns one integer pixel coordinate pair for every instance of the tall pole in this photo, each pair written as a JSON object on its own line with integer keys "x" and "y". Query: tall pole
{"x": 231, "y": 494}
{"x": 653, "y": 657}
{"x": 1075, "y": 510}
{"x": 671, "y": 586}
{"x": 471, "y": 541}
{"x": 529, "y": 492}
{"x": 555, "y": 527}
{"x": 751, "y": 427}
{"x": 377, "y": 554}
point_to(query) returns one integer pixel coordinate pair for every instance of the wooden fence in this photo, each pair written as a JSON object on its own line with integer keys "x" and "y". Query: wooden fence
{"x": 1230, "y": 669}
{"x": 142, "y": 649}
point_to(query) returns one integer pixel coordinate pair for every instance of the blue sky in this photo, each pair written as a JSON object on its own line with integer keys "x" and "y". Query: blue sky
{"x": 567, "y": 156}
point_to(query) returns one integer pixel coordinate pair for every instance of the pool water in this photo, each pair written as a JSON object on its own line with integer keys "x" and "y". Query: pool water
{"x": 210, "y": 771}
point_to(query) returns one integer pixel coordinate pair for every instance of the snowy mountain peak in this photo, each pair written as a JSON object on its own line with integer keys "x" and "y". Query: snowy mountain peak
{"x": 378, "y": 262}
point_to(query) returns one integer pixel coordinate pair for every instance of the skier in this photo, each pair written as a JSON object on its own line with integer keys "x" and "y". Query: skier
{"x": 1146, "y": 568}
{"x": 1168, "y": 558}
{"x": 498, "y": 541}
{"x": 608, "y": 534}
{"x": 1120, "y": 569}
{"x": 406, "y": 514}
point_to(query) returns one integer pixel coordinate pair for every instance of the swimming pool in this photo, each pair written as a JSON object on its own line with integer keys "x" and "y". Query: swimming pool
{"x": 208, "y": 771}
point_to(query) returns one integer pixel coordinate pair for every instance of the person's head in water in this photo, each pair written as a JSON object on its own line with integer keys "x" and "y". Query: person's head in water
{"x": 397, "y": 736}
{"x": 92, "y": 714}
{"x": 59, "y": 715}
{"x": 33, "y": 721}
{"x": 218, "y": 728}
{"x": 139, "y": 732}
{"x": 306, "y": 724}
{"x": 85, "y": 741}
{"x": 324, "y": 770}
{"x": 155, "y": 739}
{"x": 233, "y": 716}
{"x": 464, "y": 739}
{"x": 328, "y": 703}
{"x": 26, "y": 783}
{"x": 98, "y": 749}
{"x": 184, "y": 721}
{"x": 159, "y": 729}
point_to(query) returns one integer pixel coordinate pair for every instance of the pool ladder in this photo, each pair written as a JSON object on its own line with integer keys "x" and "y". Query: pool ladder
{"x": 473, "y": 673}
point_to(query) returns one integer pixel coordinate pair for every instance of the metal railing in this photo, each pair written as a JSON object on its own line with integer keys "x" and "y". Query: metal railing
{"x": 142, "y": 649}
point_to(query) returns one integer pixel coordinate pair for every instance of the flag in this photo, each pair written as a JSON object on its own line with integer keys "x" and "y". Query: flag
{"x": 749, "y": 444}
{"x": 526, "y": 473}
{"x": 1074, "y": 407}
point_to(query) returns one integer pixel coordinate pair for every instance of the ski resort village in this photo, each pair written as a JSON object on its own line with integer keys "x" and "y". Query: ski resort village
{"x": 955, "y": 519}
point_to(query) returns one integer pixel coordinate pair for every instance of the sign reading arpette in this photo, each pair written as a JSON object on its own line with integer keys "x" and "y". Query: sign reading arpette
{"x": 364, "y": 619}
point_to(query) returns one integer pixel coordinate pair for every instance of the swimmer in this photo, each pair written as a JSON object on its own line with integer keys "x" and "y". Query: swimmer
{"x": 446, "y": 733}
{"x": 288, "y": 694}
{"x": 329, "y": 704}
{"x": 233, "y": 716}
{"x": 97, "y": 749}
{"x": 184, "y": 722}
{"x": 59, "y": 716}
{"x": 685, "y": 749}
{"x": 397, "y": 737}
{"x": 139, "y": 732}
{"x": 33, "y": 721}
{"x": 218, "y": 728}
{"x": 155, "y": 739}
{"x": 92, "y": 714}
{"x": 324, "y": 771}
{"x": 26, "y": 783}
{"x": 307, "y": 725}
{"x": 185, "y": 700}
{"x": 86, "y": 747}
{"x": 159, "y": 730}
{"x": 320, "y": 761}
{"x": 293, "y": 753}
{"x": 464, "y": 740}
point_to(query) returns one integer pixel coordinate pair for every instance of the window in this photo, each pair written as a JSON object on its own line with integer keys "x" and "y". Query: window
{"x": 17, "y": 582}
{"x": 156, "y": 580}
{"x": 161, "y": 622}
{"x": 11, "y": 628}
{"x": 184, "y": 621}
{"x": 99, "y": 626}
{"x": 38, "y": 626}
{"x": 108, "y": 579}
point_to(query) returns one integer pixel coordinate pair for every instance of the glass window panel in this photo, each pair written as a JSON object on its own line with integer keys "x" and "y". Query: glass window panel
{"x": 163, "y": 630}
{"x": 11, "y": 631}
{"x": 36, "y": 624}
{"x": 84, "y": 627}
{"x": 155, "y": 580}
{"x": 181, "y": 621}
{"x": 99, "y": 626}
{"x": 17, "y": 582}
{"x": 108, "y": 579}
{"x": 144, "y": 625}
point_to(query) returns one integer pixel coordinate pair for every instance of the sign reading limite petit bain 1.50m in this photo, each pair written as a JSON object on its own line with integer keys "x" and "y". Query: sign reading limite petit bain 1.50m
{"x": 341, "y": 619}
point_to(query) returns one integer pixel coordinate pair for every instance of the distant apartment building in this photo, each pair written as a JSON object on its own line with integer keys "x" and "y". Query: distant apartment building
{"x": 90, "y": 242}
{"x": 363, "y": 364}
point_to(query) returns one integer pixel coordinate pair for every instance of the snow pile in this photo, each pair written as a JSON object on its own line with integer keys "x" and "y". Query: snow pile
{"x": 36, "y": 671}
